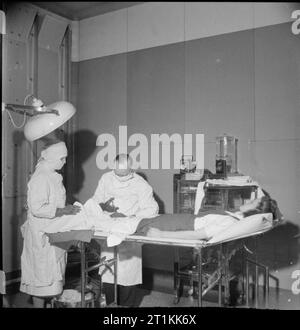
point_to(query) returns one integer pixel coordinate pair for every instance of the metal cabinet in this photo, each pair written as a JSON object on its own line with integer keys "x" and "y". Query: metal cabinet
{"x": 184, "y": 194}
{"x": 217, "y": 197}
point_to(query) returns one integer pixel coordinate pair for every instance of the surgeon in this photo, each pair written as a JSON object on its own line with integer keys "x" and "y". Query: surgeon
{"x": 43, "y": 265}
{"x": 122, "y": 192}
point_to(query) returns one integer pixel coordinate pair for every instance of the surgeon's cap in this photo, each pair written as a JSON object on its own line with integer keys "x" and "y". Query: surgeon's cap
{"x": 55, "y": 151}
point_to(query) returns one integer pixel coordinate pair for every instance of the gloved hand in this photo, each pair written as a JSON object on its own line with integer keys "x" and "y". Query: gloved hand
{"x": 118, "y": 215}
{"x": 108, "y": 206}
{"x": 67, "y": 210}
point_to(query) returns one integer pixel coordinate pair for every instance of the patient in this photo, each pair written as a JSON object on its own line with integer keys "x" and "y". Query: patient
{"x": 206, "y": 224}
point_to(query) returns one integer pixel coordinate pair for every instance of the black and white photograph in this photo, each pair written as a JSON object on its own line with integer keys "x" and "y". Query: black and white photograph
{"x": 150, "y": 159}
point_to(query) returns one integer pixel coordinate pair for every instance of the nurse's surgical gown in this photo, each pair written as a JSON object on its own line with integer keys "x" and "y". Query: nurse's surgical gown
{"x": 43, "y": 265}
{"x": 133, "y": 197}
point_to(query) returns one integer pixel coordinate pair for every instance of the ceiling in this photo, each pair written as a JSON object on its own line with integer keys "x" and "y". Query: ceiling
{"x": 81, "y": 10}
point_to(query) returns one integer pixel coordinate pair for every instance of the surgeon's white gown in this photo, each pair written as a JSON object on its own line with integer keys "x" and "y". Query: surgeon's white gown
{"x": 133, "y": 197}
{"x": 43, "y": 266}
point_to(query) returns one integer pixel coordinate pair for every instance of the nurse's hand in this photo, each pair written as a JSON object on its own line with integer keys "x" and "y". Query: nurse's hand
{"x": 67, "y": 210}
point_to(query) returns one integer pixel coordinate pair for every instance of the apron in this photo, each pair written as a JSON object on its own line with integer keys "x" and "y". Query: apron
{"x": 126, "y": 197}
{"x": 43, "y": 265}
{"x": 129, "y": 271}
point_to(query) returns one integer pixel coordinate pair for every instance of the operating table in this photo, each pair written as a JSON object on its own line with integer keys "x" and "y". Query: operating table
{"x": 220, "y": 276}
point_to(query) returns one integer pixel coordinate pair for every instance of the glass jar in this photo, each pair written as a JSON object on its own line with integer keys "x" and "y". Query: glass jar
{"x": 227, "y": 151}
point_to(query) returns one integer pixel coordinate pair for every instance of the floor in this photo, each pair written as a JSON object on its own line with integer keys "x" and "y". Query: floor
{"x": 157, "y": 291}
{"x": 286, "y": 300}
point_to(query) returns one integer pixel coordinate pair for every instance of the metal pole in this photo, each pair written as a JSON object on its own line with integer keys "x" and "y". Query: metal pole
{"x": 199, "y": 266}
{"x": 226, "y": 276}
{"x": 82, "y": 259}
{"x": 176, "y": 280}
{"x": 116, "y": 275}
{"x": 277, "y": 289}
{"x": 243, "y": 276}
{"x": 256, "y": 286}
{"x": 247, "y": 283}
{"x": 176, "y": 276}
{"x": 267, "y": 287}
{"x": 220, "y": 276}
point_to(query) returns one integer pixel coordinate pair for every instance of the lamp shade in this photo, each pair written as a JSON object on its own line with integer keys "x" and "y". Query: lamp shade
{"x": 43, "y": 124}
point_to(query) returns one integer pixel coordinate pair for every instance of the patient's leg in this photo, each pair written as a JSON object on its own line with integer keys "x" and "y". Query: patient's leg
{"x": 169, "y": 222}
{"x": 182, "y": 234}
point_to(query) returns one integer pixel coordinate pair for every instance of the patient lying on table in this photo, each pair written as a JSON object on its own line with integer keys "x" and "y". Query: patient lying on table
{"x": 206, "y": 224}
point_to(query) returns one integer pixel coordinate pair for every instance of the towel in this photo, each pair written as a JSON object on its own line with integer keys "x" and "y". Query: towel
{"x": 199, "y": 196}
{"x": 86, "y": 218}
{"x": 242, "y": 180}
{"x": 117, "y": 229}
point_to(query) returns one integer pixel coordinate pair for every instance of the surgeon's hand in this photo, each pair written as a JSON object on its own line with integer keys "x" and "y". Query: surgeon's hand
{"x": 67, "y": 210}
{"x": 118, "y": 215}
{"x": 108, "y": 206}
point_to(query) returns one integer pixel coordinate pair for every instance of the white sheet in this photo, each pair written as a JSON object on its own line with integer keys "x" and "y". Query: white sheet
{"x": 199, "y": 196}
{"x": 91, "y": 217}
{"x": 246, "y": 227}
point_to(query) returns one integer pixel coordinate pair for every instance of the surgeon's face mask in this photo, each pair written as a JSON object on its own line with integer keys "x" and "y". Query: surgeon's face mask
{"x": 123, "y": 176}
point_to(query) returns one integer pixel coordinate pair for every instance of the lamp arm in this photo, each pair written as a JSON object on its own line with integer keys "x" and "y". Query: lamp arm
{"x": 29, "y": 109}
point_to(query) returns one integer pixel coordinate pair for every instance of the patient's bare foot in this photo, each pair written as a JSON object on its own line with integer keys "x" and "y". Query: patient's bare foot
{"x": 153, "y": 232}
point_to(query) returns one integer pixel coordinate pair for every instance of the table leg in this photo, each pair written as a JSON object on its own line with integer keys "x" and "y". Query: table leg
{"x": 226, "y": 276}
{"x": 199, "y": 268}
{"x": 176, "y": 283}
{"x": 247, "y": 284}
{"x": 256, "y": 286}
{"x": 176, "y": 278}
{"x": 243, "y": 277}
{"x": 82, "y": 259}
{"x": 220, "y": 275}
{"x": 267, "y": 288}
{"x": 116, "y": 275}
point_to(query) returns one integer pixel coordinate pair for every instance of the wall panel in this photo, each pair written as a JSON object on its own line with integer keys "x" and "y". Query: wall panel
{"x": 277, "y": 83}
{"x": 48, "y": 76}
{"x": 102, "y": 108}
{"x": 22, "y": 75}
{"x": 219, "y": 86}
{"x": 156, "y": 90}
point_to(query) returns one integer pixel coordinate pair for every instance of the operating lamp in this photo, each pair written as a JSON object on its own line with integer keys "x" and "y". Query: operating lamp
{"x": 43, "y": 119}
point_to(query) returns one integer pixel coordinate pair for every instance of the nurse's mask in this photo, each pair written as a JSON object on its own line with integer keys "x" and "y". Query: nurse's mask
{"x": 55, "y": 155}
{"x": 124, "y": 178}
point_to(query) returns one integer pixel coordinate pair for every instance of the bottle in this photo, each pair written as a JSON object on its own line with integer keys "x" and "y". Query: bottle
{"x": 221, "y": 168}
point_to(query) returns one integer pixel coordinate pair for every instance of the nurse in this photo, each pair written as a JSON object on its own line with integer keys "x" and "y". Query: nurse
{"x": 125, "y": 193}
{"x": 43, "y": 265}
